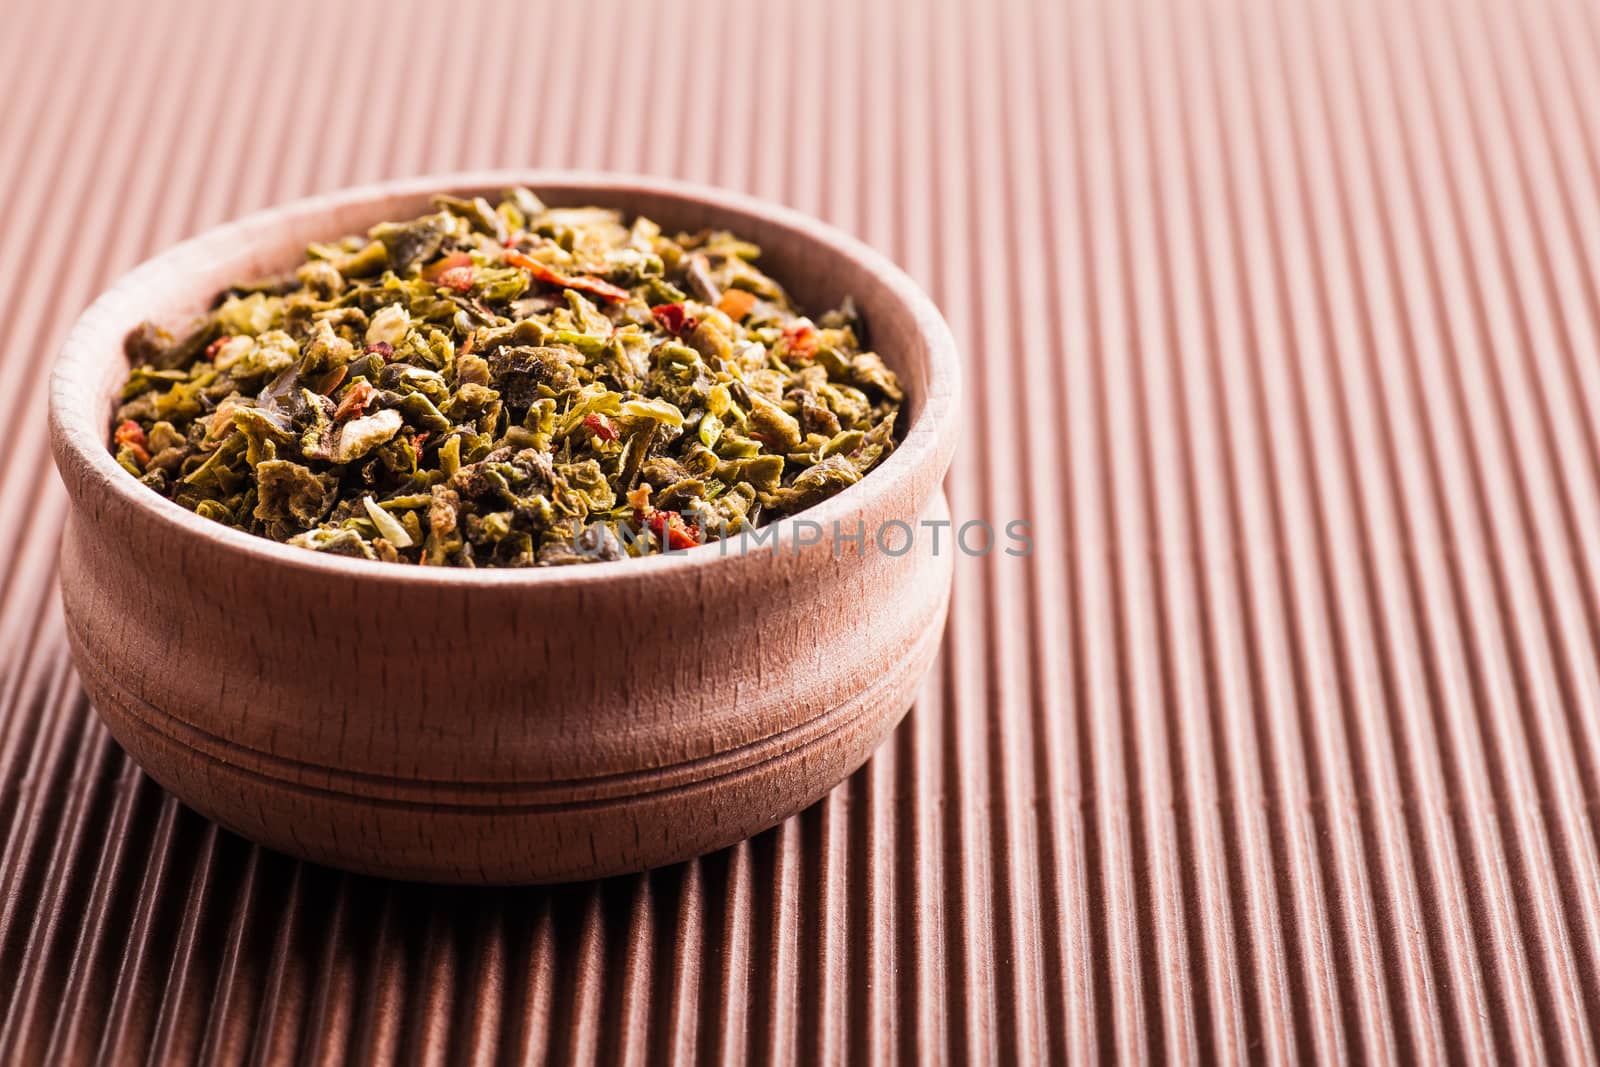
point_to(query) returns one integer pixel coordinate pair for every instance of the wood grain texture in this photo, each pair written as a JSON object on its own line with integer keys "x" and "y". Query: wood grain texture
{"x": 1279, "y": 318}
{"x": 495, "y": 727}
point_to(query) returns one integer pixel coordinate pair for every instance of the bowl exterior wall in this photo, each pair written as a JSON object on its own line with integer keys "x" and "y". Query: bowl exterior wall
{"x": 524, "y": 768}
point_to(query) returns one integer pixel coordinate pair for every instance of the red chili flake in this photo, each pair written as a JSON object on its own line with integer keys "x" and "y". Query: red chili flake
{"x": 598, "y": 287}
{"x": 600, "y": 426}
{"x": 458, "y": 278}
{"x": 454, "y": 271}
{"x": 670, "y": 527}
{"x": 736, "y": 303}
{"x": 420, "y": 441}
{"x": 355, "y": 400}
{"x": 674, "y": 318}
{"x": 801, "y": 342}
{"x": 383, "y": 349}
{"x": 130, "y": 435}
{"x": 550, "y": 276}
{"x": 216, "y": 346}
{"x": 639, "y": 501}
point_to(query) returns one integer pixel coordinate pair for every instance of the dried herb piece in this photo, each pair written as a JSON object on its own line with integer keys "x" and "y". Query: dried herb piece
{"x": 506, "y": 384}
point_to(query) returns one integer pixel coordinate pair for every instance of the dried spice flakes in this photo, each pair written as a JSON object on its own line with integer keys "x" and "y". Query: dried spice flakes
{"x": 506, "y": 385}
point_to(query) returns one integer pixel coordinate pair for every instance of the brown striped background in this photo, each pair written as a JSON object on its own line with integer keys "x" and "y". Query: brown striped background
{"x": 1281, "y": 324}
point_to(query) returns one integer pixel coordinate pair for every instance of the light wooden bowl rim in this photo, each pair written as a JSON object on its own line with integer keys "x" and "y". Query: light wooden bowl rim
{"x": 79, "y": 437}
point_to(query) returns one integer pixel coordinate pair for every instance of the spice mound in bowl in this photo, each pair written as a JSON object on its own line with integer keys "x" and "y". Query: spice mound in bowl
{"x": 507, "y": 385}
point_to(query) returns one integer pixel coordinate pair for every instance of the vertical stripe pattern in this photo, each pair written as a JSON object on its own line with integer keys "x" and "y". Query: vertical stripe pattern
{"x": 1281, "y": 323}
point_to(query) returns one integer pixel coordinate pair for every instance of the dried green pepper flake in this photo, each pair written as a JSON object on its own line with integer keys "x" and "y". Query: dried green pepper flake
{"x": 506, "y": 384}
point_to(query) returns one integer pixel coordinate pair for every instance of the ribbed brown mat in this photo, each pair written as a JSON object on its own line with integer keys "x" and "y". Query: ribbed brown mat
{"x": 1282, "y": 325}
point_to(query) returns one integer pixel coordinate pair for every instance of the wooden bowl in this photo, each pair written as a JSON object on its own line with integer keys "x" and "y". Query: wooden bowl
{"x": 503, "y": 726}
